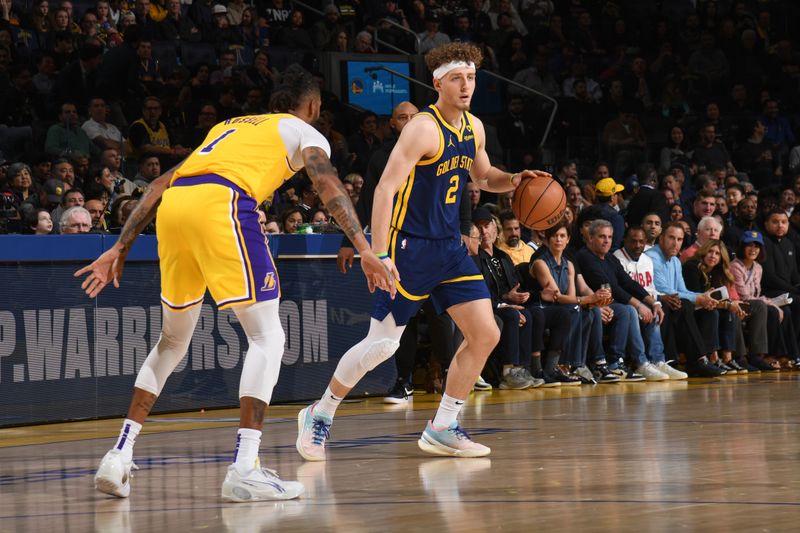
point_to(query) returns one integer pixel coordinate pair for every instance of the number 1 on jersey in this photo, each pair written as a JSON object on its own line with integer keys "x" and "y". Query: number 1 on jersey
{"x": 450, "y": 197}
{"x": 210, "y": 146}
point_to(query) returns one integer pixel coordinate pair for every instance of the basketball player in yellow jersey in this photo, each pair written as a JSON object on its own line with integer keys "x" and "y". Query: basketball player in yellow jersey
{"x": 209, "y": 238}
{"x": 415, "y": 230}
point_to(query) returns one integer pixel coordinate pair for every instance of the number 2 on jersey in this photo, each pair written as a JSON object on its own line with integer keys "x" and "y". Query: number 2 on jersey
{"x": 450, "y": 198}
{"x": 210, "y": 146}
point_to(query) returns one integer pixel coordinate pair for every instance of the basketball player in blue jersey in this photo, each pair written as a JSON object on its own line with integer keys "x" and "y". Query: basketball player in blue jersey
{"x": 209, "y": 238}
{"x": 415, "y": 230}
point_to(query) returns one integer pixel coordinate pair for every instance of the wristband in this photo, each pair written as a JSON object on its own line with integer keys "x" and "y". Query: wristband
{"x": 656, "y": 304}
{"x": 383, "y": 255}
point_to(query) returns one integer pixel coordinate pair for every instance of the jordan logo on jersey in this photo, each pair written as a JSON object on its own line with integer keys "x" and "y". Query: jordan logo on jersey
{"x": 450, "y": 141}
{"x": 269, "y": 282}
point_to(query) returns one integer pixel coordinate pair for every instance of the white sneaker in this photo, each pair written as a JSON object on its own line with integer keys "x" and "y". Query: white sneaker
{"x": 482, "y": 385}
{"x": 258, "y": 484}
{"x": 651, "y": 373}
{"x": 670, "y": 371}
{"x": 114, "y": 474}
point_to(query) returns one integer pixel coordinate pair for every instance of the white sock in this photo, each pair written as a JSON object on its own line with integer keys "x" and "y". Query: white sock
{"x": 247, "y": 443}
{"x": 127, "y": 438}
{"x": 448, "y": 412}
{"x": 328, "y": 403}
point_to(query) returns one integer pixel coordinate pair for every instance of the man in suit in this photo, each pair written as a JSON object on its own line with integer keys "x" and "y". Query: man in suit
{"x": 648, "y": 200}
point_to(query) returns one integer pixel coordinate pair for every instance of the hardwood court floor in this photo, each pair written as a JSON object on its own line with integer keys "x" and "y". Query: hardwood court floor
{"x": 705, "y": 455}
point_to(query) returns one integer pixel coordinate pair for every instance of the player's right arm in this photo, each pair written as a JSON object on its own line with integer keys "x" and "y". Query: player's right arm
{"x": 319, "y": 168}
{"x": 418, "y": 140}
{"x": 109, "y": 266}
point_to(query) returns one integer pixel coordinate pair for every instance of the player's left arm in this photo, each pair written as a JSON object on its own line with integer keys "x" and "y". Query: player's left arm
{"x": 490, "y": 178}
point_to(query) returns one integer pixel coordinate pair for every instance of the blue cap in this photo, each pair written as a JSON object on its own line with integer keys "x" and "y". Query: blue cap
{"x": 752, "y": 236}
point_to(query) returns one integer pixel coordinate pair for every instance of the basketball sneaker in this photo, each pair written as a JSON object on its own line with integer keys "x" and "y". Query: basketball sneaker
{"x": 114, "y": 474}
{"x": 312, "y": 432}
{"x": 482, "y": 385}
{"x": 258, "y": 484}
{"x": 401, "y": 393}
{"x": 671, "y": 371}
{"x": 452, "y": 441}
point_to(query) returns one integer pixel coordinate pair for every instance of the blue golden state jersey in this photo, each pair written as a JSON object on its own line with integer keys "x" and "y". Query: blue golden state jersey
{"x": 427, "y": 205}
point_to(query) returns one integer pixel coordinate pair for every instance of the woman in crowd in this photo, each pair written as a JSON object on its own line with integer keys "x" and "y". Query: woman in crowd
{"x": 747, "y": 273}
{"x": 575, "y": 321}
{"x": 707, "y": 270}
{"x": 20, "y": 186}
{"x": 501, "y": 278}
{"x": 291, "y": 219}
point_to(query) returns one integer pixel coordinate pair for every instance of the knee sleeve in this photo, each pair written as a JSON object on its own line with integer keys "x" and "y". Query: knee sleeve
{"x": 266, "y": 340}
{"x": 381, "y": 342}
{"x": 176, "y": 333}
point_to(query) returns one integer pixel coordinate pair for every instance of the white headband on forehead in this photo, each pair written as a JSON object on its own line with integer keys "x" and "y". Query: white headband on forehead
{"x": 442, "y": 70}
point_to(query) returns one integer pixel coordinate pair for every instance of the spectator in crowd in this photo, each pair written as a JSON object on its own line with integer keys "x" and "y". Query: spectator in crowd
{"x": 291, "y": 219}
{"x": 516, "y": 335}
{"x": 554, "y": 283}
{"x": 780, "y": 263}
{"x": 676, "y": 152}
{"x": 75, "y": 220}
{"x": 707, "y": 271}
{"x": 96, "y": 209}
{"x": 704, "y": 205}
{"x": 511, "y": 239}
{"x": 70, "y": 198}
{"x": 647, "y": 199}
{"x": 99, "y": 131}
{"x": 40, "y": 222}
{"x": 64, "y": 170}
{"x": 747, "y": 274}
{"x": 364, "y": 142}
{"x": 652, "y": 225}
{"x": 149, "y": 136}
{"x": 432, "y": 37}
{"x": 66, "y": 137}
{"x": 680, "y": 330}
{"x": 327, "y": 28}
{"x": 294, "y": 36}
{"x": 176, "y": 27}
{"x": 625, "y": 141}
{"x": 206, "y": 119}
{"x": 149, "y": 169}
{"x": 20, "y": 188}
{"x": 631, "y": 305}
{"x": 710, "y": 153}
{"x": 76, "y": 82}
{"x": 779, "y": 135}
{"x": 708, "y": 229}
{"x": 605, "y": 192}
{"x": 363, "y": 43}
{"x": 754, "y": 156}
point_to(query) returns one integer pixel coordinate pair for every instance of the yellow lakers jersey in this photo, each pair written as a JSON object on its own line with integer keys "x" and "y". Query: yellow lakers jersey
{"x": 256, "y": 152}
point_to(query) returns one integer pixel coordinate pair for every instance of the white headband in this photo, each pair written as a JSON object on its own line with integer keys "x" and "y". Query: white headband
{"x": 441, "y": 71}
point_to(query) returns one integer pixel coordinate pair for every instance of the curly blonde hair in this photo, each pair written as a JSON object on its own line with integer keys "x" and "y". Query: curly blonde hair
{"x": 457, "y": 51}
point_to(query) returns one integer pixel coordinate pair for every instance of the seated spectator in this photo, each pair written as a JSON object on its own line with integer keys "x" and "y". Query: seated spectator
{"x": 71, "y": 198}
{"x": 206, "y": 119}
{"x": 704, "y": 205}
{"x": 20, "y": 187}
{"x": 99, "y": 131}
{"x": 779, "y": 135}
{"x": 67, "y": 137}
{"x": 271, "y": 227}
{"x": 254, "y": 102}
{"x": 40, "y": 223}
{"x": 149, "y": 136}
{"x": 432, "y": 37}
{"x": 511, "y": 239}
{"x": 781, "y": 275}
{"x": 75, "y": 220}
{"x": 647, "y": 199}
{"x": 680, "y": 329}
{"x": 706, "y": 271}
{"x": 294, "y": 36}
{"x": 364, "y": 142}
{"x": 149, "y": 169}
{"x": 605, "y": 192}
{"x": 652, "y": 226}
{"x": 636, "y": 314}
{"x": 318, "y": 217}
{"x": 710, "y": 153}
{"x": 709, "y": 229}
{"x": 625, "y": 141}
{"x": 754, "y": 156}
{"x": 114, "y": 180}
{"x": 175, "y": 27}
{"x": 291, "y": 219}
{"x": 97, "y": 209}
{"x": 516, "y": 335}
{"x": 676, "y": 152}
{"x": 554, "y": 282}
{"x": 780, "y": 338}
{"x": 326, "y": 29}
{"x": 363, "y": 43}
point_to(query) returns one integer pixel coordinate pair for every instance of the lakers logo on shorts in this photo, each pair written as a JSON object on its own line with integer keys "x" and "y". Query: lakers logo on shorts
{"x": 269, "y": 282}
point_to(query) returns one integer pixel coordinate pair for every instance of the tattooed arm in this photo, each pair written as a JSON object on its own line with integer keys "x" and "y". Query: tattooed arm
{"x": 109, "y": 266}
{"x": 333, "y": 194}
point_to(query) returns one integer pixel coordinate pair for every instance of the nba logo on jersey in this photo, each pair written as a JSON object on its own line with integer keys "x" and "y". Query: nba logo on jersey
{"x": 403, "y": 244}
{"x": 269, "y": 282}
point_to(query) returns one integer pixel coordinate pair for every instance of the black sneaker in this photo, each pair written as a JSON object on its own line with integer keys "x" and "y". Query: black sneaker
{"x": 549, "y": 380}
{"x": 603, "y": 375}
{"x": 401, "y": 393}
{"x": 566, "y": 380}
{"x": 758, "y": 362}
{"x": 627, "y": 375}
{"x": 703, "y": 369}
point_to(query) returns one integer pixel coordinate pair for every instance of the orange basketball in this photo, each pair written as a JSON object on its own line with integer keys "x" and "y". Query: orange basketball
{"x": 539, "y": 202}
